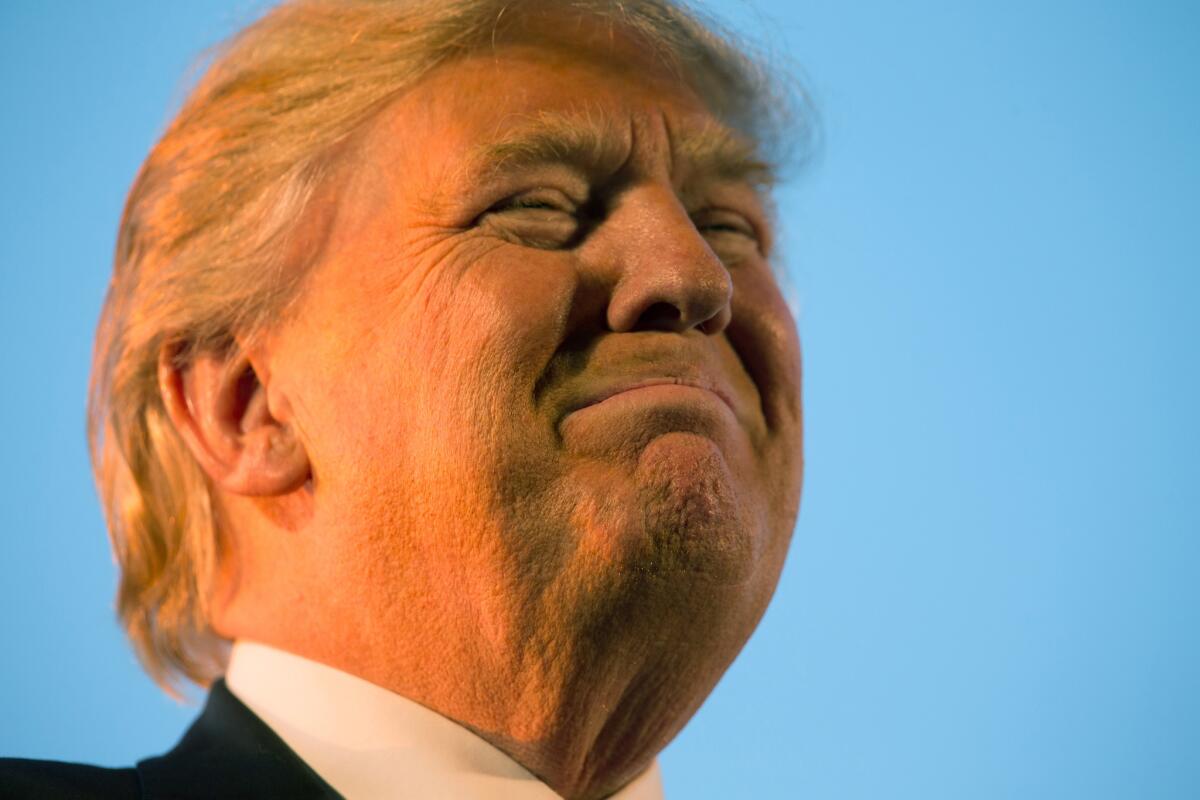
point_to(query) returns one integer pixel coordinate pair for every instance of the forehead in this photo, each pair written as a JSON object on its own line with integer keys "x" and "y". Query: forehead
{"x": 592, "y": 106}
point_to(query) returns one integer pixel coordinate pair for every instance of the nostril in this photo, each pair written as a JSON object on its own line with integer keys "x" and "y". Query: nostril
{"x": 659, "y": 316}
{"x": 715, "y": 324}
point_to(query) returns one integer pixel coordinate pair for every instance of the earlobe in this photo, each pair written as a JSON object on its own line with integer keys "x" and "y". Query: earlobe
{"x": 241, "y": 436}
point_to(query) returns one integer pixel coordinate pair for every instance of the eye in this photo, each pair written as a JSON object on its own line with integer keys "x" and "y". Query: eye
{"x": 724, "y": 222}
{"x": 731, "y": 235}
{"x": 542, "y": 218}
{"x": 542, "y": 201}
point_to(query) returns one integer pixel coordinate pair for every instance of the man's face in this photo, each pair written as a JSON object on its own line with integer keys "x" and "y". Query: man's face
{"x": 544, "y": 375}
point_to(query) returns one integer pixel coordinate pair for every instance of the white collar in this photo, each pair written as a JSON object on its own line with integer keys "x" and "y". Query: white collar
{"x": 371, "y": 744}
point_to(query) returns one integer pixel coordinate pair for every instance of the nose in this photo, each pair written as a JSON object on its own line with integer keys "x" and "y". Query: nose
{"x": 670, "y": 279}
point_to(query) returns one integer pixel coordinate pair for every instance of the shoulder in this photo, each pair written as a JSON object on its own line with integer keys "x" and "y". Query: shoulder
{"x": 228, "y": 753}
{"x": 58, "y": 780}
{"x": 231, "y": 754}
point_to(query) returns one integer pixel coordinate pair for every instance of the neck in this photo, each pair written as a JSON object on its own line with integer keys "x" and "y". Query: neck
{"x": 586, "y": 716}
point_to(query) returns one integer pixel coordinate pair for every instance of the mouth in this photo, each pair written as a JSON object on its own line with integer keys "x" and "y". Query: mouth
{"x": 633, "y": 386}
{"x": 648, "y": 381}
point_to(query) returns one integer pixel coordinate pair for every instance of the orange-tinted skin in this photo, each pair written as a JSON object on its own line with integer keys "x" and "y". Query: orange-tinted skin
{"x": 527, "y": 447}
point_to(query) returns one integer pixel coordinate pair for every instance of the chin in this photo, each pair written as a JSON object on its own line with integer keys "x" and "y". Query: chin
{"x": 695, "y": 515}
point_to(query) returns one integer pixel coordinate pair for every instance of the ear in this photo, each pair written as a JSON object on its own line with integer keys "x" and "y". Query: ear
{"x": 238, "y": 430}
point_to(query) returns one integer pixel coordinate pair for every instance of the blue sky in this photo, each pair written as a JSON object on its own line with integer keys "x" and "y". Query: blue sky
{"x": 993, "y": 590}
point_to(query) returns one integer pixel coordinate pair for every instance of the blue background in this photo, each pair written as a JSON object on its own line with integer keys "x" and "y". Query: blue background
{"x": 994, "y": 588}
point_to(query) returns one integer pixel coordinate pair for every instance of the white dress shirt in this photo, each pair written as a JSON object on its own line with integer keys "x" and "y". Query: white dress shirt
{"x": 372, "y": 744}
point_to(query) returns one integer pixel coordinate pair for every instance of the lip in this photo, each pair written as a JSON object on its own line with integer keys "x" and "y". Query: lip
{"x": 621, "y": 387}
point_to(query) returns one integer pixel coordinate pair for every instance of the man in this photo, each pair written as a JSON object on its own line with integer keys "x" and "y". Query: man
{"x": 445, "y": 375}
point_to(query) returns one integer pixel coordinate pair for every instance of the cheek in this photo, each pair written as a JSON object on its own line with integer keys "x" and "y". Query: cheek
{"x": 497, "y": 327}
{"x": 442, "y": 386}
{"x": 763, "y": 334}
{"x": 432, "y": 369}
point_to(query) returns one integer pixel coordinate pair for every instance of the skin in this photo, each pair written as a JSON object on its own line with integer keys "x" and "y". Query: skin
{"x": 417, "y": 483}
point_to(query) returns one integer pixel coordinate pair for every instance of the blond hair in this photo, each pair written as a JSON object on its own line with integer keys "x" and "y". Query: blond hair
{"x": 199, "y": 256}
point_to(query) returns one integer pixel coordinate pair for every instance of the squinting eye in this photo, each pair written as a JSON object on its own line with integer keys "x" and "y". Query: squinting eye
{"x": 536, "y": 201}
{"x": 546, "y": 219}
{"x": 731, "y": 236}
{"x": 729, "y": 233}
{"x": 727, "y": 228}
{"x": 724, "y": 224}
{"x": 533, "y": 202}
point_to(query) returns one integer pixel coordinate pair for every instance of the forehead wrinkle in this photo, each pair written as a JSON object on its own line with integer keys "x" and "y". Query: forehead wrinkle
{"x": 589, "y": 139}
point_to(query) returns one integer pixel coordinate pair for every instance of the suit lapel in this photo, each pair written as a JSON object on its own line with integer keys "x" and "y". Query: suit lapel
{"x": 230, "y": 753}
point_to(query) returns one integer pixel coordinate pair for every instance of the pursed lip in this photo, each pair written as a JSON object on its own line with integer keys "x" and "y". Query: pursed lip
{"x": 613, "y": 389}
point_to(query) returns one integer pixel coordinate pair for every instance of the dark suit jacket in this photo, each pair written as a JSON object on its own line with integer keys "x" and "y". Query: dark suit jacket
{"x": 227, "y": 753}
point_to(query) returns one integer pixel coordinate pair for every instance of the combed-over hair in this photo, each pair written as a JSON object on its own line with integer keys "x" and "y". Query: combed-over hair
{"x": 200, "y": 251}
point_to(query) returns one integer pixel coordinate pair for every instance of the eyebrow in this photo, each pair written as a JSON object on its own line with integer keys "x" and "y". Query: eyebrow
{"x": 717, "y": 151}
{"x": 595, "y": 141}
{"x": 587, "y": 140}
